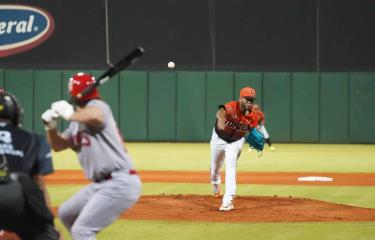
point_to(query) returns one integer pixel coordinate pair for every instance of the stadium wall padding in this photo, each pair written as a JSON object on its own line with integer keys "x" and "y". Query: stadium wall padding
{"x": 301, "y": 107}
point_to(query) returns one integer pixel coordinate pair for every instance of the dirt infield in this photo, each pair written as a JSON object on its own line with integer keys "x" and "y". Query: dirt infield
{"x": 274, "y": 178}
{"x": 247, "y": 209}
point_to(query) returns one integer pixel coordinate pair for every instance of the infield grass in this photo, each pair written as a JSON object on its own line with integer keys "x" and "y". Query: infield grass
{"x": 166, "y": 230}
{"x": 286, "y": 158}
{"x": 162, "y": 230}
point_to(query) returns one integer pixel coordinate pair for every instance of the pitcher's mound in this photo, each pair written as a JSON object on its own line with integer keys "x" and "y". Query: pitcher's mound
{"x": 247, "y": 209}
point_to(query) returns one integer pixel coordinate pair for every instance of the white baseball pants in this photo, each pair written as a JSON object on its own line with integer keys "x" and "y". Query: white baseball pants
{"x": 229, "y": 152}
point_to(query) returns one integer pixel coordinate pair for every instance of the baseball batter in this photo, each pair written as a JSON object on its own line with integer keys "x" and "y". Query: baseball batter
{"x": 234, "y": 120}
{"x": 94, "y": 135}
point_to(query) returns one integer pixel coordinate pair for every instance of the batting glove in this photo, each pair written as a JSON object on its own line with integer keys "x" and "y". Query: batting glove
{"x": 49, "y": 119}
{"x": 63, "y": 109}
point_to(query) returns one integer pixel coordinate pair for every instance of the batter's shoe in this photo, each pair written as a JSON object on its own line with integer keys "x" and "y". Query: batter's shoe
{"x": 217, "y": 190}
{"x": 226, "y": 207}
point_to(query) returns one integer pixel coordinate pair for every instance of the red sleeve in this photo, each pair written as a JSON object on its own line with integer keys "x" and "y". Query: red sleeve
{"x": 254, "y": 119}
{"x": 231, "y": 108}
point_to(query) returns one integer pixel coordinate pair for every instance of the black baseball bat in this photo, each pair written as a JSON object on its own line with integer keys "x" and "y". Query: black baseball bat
{"x": 112, "y": 71}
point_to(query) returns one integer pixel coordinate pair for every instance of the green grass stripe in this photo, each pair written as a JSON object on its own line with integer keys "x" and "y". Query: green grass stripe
{"x": 160, "y": 230}
{"x": 354, "y": 196}
{"x": 167, "y": 230}
{"x": 286, "y": 158}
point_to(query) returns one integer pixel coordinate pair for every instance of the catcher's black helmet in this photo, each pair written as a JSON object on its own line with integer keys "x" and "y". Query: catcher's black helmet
{"x": 10, "y": 109}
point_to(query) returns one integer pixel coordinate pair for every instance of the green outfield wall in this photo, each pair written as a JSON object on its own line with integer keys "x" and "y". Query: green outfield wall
{"x": 306, "y": 107}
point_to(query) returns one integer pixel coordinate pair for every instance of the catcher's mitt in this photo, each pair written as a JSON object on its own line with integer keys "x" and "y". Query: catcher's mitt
{"x": 255, "y": 139}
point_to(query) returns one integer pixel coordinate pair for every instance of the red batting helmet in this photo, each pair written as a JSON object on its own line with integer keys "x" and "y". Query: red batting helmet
{"x": 79, "y": 82}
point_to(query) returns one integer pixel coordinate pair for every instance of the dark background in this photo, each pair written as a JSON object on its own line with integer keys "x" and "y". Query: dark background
{"x": 239, "y": 35}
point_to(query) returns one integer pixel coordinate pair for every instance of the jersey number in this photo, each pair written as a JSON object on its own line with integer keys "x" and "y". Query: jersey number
{"x": 81, "y": 139}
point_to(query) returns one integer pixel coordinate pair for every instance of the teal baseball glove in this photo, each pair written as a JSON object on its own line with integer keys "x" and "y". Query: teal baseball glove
{"x": 255, "y": 139}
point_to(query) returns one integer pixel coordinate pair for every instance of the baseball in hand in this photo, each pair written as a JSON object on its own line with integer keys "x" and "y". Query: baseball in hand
{"x": 171, "y": 65}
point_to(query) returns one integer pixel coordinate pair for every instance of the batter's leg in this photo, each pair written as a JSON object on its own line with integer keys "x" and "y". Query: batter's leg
{"x": 69, "y": 210}
{"x": 109, "y": 201}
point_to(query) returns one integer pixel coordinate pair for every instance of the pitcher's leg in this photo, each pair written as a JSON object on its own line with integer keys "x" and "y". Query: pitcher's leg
{"x": 232, "y": 153}
{"x": 230, "y": 179}
{"x": 217, "y": 159}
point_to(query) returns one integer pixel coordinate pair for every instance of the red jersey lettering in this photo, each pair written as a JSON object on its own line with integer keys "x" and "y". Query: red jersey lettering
{"x": 81, "y": 139}
{"x": 236, "y": 123}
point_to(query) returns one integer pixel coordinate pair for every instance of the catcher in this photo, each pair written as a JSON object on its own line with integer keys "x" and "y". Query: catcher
{"x": 25, "y": 158}
{"x": 234, "y": 121}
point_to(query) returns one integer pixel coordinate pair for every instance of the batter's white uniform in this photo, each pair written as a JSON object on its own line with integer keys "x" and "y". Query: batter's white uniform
{"x": 226, "y": 145}
{"x": 115, "y": 184}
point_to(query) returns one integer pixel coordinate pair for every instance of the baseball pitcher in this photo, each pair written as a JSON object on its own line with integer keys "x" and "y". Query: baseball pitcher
{"x": 234, "y": 120}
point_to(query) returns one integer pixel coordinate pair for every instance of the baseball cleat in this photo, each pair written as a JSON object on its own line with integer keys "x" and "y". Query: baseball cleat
{"x": 217, "y": 190}
{"x": 226, "y": 207}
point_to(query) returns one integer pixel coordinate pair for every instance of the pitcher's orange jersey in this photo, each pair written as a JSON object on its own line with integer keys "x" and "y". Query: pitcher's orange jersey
{"x": 236, "y": 123}
{"x": 259, "y": 116}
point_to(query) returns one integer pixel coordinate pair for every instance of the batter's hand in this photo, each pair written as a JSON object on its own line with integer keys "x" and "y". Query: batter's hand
{"x": 63, "y": 109}
{"x": 49, "y": 119}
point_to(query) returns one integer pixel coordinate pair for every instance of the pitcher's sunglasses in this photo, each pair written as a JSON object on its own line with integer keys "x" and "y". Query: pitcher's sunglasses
{"x": 249, "y": 99}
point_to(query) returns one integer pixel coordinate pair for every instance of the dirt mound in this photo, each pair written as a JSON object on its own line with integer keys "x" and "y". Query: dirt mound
{"x": 247, "y": 209}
